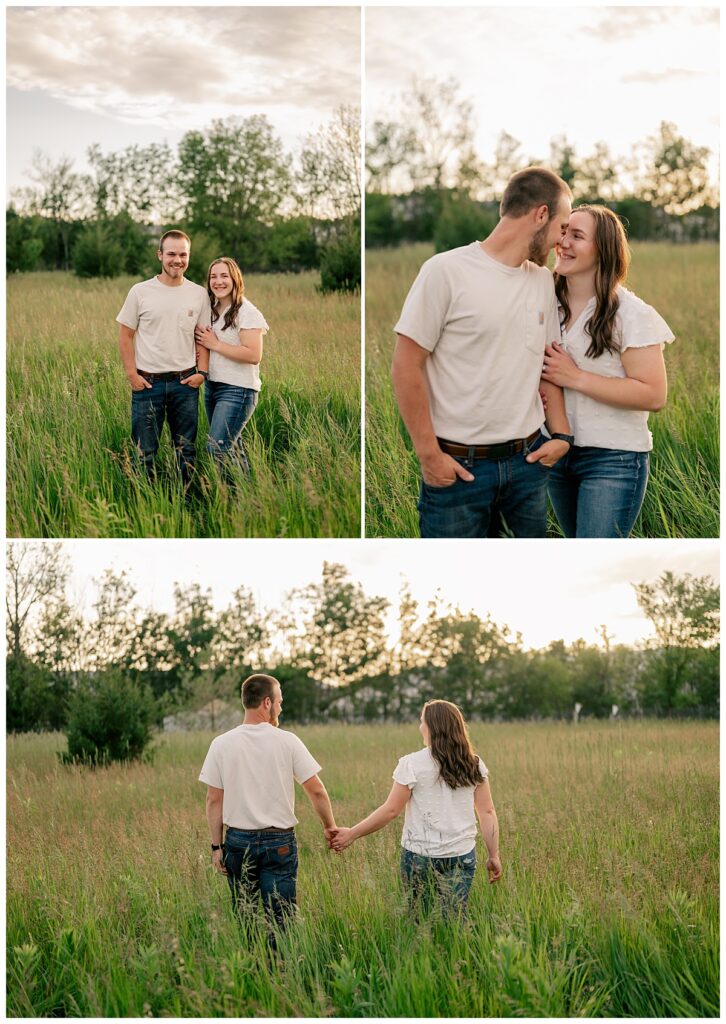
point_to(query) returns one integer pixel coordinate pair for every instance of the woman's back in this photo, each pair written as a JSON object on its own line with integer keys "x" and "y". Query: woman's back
{"x": 439, "y": 821}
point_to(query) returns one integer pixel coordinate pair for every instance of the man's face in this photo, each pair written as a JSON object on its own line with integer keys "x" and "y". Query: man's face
{"x": 276, "y": 705}
{"x": 174, "y": 257}
{"x": 547, "y": 237}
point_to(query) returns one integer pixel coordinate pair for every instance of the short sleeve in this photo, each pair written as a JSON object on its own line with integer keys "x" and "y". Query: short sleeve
{"x": 425, "y": 310}
{"x": 483, "y": 769}
{"x": 210, "y": 773}
{"x": 403, "y": 773}
{"x": 129, "y": 315}
{"x": 250, "y": 318}
{"x": 640, "y": 324}
{"x": 304, "y": 765}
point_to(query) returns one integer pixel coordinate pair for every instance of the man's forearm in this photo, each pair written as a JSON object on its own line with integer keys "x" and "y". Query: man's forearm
{"x": 214, "y": 821}
{"x": 556, "y": 416}
{"x": 202, "y": 358}
{"x": 323, "y": 808}
{"x": 412, "y": 395}
{"x": 128, "y": 354}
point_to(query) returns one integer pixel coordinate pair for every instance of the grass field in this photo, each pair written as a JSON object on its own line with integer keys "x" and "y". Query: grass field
{"x": 608, "y": 905}
{"x": 682, "y": 500}
{"x": 69, "y": 417}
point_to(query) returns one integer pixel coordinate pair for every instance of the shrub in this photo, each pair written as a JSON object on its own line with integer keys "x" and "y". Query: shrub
{"x": 340, "y": 265}
{"x": 109, "y": 719}
{"x": 96, "y": 253}
{"x": 291, "y": 246}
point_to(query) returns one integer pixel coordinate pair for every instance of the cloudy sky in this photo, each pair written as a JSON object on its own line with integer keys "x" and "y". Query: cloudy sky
{"x": 593, "y": 73}
{"x": 546, "y": 590}
{"x": 120, "y": 76}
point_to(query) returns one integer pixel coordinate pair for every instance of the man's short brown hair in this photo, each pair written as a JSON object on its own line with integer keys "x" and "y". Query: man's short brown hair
{"x": 174, "y": 233}
{"x": 256, "y": 688}
{"x": 532, "y": 187}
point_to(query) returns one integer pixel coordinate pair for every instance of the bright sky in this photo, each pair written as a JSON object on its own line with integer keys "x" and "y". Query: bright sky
{"x": 547, "y": 590}
{"x": 121, "y": 76}
{"x": 592, "y": 73}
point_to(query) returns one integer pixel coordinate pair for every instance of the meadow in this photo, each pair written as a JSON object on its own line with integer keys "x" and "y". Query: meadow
{"x": 69, "y": 466}
{"x": 608, "y": 905}
{"x": 682, "y": 500}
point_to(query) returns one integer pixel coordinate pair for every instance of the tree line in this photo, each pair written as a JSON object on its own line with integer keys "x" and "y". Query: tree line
{"x": 426, "y": 182}
{"x": 232, "y": 187}
{"x": 328, "y": 645}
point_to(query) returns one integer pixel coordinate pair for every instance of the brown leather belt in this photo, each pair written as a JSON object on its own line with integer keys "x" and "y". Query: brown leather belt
{"x": 486, "y": 451}
{"x": 170, "y": 375}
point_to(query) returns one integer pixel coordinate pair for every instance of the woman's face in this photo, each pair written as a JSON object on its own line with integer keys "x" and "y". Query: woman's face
{"x": 576, "y": 252}
{"x": 220, "y": 281}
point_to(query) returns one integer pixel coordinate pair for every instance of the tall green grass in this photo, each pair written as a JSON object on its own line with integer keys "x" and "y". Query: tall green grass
{"x": 608, "y": 905}
{"x": 69, "y": 468}
{"x": 682, "y": 499}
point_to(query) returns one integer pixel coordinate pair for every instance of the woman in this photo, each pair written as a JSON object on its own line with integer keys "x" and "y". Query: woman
{"x": 441, "y": 787}
{"x": 235, "y": 348}
{"x": 610, "y": 363}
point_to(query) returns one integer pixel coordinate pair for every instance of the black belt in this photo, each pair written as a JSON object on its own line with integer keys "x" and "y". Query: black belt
{"x": 171, "y": 375}
{"x": 486, "y": 451}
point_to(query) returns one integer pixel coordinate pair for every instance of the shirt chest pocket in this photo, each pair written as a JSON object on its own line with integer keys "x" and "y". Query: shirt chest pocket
{"x": 535, "y": 330}
{"x": 187, "y": 321}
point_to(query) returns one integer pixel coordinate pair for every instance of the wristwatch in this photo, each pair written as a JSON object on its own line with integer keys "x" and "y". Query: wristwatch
{"x": 570, "y": 438}
{"x": 215, "y": 847}
{"x": 204, "y": 373}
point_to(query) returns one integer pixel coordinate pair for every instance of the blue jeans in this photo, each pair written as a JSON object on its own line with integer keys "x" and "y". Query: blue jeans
{"x": 262, "y": 864}
{"x": 176, "y": 403}
{"x": 229, "y": 408}
{"x": 598, "y": 492}
{"x": 443, "y": 880}
{"x": 508, "y": 497}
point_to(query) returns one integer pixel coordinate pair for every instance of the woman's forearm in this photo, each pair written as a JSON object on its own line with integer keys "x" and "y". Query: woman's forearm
{"x": 490, "y": 831}
{"x": 621, "y": 392}
{"x": 379, "y": 818}
{"x": 238, "y": 353}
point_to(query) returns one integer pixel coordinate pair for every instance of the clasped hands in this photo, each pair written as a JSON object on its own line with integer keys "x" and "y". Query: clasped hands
{"x": 206, "y": 337}
{"x": 338, "y": 839}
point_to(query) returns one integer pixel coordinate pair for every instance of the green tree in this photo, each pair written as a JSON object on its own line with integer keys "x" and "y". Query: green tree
{"x": 35, "y": 572}
{"x": 138, "y": 181}
{"x": 110, "y": 719}
{"x": 328, "y": 181}
{"x": 235, "y": 177}
{"x": 58, "y": 194}
{"x": 685, "y": 615}
{"x": 676, "y": 176}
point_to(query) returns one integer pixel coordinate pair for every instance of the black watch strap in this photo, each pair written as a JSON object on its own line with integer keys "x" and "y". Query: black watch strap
{"x": 570, "y": 438}
{"x": 204, "y": 373}
{"x": 215, "y": 847}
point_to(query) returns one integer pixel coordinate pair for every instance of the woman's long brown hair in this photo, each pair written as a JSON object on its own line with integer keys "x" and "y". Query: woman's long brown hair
{"x": 613, "y": 261}
{"x": 238, "y": 291}
{"x": 450, "y": 745}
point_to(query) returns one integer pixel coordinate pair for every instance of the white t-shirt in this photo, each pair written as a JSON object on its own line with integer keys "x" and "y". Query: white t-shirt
{"x": 256, "y": 766}
{"x": 486, "y": 326}
{"x": 596, "y": 424}
{"x": 227, "y": 371}
{"x": 439, "y": 821}
{"x": 164, "y": 318}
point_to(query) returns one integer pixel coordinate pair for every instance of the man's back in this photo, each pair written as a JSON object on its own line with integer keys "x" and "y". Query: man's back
{"x": 256, "y": 766}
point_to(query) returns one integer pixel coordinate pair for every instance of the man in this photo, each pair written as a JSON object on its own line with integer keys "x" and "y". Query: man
{"x": 160, "y": 357}
{"x": 249, "y": 773}
{"x": 467, "y": 365}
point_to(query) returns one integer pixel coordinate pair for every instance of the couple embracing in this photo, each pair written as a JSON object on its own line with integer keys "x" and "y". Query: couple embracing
{"x": 250, "y": 773}
{"x": 176, "y": 336}
{"x": 514, "y": 382}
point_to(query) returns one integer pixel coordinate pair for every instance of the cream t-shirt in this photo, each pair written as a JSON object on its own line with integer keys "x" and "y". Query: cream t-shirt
{"x": 256, "y": 766}
{"x": 228, "y": 371}
{"x": 439, "y": 821}
{"x": 164, "y": 318}
{"x": 594, "y": 423}
{"x": 486, "y": 326}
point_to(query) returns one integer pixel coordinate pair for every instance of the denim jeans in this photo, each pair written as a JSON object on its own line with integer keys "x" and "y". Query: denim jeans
{"x": 229, "y": 408}
{"x": 598, "y": 492}
{"x": 179, "y": 405}
{"x": 262, "y": 864}
{"x": 508, "y": 497}
{"x": 445, "y": 881}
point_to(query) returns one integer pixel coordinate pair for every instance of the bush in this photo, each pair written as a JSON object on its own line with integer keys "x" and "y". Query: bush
{"x": 109, "y": 719}
{"x": 291, "y": 246}
{"x": 340, "y": 265}
{"x": 96, "y": 254}
{"x": 462, "y": 221}
{"x": 382, "y": 228}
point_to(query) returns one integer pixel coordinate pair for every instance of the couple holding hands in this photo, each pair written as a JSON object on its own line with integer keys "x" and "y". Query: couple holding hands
{"x": 250, "y": 773}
